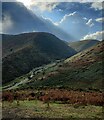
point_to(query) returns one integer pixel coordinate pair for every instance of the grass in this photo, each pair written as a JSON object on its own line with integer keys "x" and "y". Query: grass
{"x": 71, "y": 74}
{"x": 38, "y": 75}
{"x": 34, "y": 108}
{"x": 75, "y": 78}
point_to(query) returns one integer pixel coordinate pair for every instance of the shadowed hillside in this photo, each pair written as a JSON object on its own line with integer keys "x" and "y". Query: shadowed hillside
{"x": 23, "y": 52}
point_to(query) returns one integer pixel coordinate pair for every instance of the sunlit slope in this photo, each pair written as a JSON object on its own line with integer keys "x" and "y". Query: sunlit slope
{"x": 83, "y": 45}
{"x": 81, "y": 71}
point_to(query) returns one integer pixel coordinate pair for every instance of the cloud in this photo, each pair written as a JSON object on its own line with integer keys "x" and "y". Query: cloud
{"x": 0, "y": 27}
{"x": 97, "y": 5}
{"x": 48, "y": 20}
{"x": 90, "y": 23}
{"x": 66, "y": 17}
{"x": 8, "y": 0}
{"x": 60, "y": 10}
{"x": 100, "y": 19}
{"x": 97, "y": 35}
{"x": 74, "y": 24}
{"x": 82, "y": 1}
{"x": 6, "y": 23}
{"x": 43, "y": 6}
{"x": 50, "y": 5}
{"x": 85, "y": 18}
{"x": 0, "y": 19}
{"x": 26, "y": 21}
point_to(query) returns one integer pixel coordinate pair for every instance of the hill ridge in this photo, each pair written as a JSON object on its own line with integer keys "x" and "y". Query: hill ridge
{"x": 83, "y": 44}
{"x": 23, "y": 52}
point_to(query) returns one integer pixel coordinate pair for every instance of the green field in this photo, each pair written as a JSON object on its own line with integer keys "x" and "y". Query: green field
{"x": 34, "y": 108}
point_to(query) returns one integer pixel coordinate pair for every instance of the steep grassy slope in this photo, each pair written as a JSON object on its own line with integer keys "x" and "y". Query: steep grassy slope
{"x": 81, "y": 71}
{"x": 23, "y": 52}
{"x": 82, "y": 45}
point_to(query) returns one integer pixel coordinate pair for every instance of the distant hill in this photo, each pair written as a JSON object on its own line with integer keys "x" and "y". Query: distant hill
{"x": 82, "y": 45}
{"x": 23, "y": 52}
{"x": 81, "y": 71}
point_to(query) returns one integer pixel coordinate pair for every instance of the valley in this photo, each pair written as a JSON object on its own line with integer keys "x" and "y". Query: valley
{"x": 52, "y": 57}
{"x": 74, "y": 81}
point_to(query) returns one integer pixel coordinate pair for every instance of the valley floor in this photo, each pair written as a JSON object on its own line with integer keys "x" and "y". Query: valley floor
{"x": 36, "y": 108}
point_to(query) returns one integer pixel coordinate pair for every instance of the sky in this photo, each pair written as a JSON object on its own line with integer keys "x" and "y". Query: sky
{"x": 81, "y": 20}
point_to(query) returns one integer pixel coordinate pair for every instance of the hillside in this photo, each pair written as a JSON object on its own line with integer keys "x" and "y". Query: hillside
{"x": 23, "y": 52}
{"x": 81, "y": 71}
{"x": 83, "y": 45}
